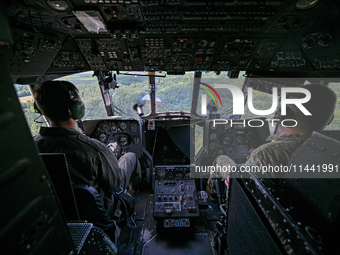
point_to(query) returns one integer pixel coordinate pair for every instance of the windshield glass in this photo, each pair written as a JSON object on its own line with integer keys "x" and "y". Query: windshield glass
{"x": 211, "y": 79}
{"x": 132, "y": 90}
{"x": 261, "y": 100}
{"x": 172, "y": 94}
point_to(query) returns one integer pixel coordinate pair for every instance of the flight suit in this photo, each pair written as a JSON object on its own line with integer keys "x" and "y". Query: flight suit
{"x": 278, "y": 151}
{"x": 89, "y": 161}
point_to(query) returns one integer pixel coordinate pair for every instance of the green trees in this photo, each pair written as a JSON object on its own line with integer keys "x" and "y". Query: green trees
{"x": 31, "y": 115}
{"x": 22, "y": 91}
{"x": 335, "y": 124}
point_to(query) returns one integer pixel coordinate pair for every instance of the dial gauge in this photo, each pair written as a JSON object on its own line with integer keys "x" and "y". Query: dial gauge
{"x": 213, "y": 146}
{"x": 102, "y": 138}
{"x": 161, "y": 173}
{"x": 106, "y": 128}
{"x": 179, "y": 174}
{"x": 170, "y": 175}
{"x": 213, "y": 136}
{"x": 227, "y": 139}
{"x": 114, "y": 129}
{"x": 123, "y": 140}
{"x": 134, "y": 127}
{"x": 122, "y": 126}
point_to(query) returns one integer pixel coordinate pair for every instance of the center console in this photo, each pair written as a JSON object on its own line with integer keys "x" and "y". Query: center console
{"x": 175, "y": 196}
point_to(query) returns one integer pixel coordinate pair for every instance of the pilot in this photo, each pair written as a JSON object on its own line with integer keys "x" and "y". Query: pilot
{"x": 281, "y": 146}
{"x": 90, "y": 162}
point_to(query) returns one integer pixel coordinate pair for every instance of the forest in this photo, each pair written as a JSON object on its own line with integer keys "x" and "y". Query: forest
{"x": 173, "y": 93}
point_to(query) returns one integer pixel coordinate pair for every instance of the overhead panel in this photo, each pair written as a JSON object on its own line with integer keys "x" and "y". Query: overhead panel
{"x": 261, "y": 37}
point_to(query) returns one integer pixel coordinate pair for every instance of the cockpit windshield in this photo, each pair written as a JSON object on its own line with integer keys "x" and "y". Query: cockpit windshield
{"x": 172, "y": 94}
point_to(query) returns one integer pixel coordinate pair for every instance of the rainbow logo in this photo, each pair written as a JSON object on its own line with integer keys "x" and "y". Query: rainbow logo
{"x": 209, "y": 93}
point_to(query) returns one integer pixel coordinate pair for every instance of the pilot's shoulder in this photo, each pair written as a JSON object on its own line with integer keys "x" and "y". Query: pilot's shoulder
{"x": 265, "y": 147}
{"x": 280, "y": 146}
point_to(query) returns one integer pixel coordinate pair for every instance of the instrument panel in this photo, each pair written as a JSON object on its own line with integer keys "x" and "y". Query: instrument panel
{"x": 235, "y": 141}
{"x": 121, "y": 135}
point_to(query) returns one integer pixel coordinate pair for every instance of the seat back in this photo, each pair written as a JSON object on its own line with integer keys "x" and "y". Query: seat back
{"x": 79, "y": 202}
{"x": 91, "y": 207}
{"x": 57, "y": 168}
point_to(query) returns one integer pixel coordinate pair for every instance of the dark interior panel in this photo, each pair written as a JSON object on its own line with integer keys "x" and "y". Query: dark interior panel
{"x": 290, "y": 38}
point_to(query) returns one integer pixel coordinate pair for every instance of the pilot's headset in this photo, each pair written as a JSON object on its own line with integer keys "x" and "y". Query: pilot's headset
{"x": 76, "y": 107}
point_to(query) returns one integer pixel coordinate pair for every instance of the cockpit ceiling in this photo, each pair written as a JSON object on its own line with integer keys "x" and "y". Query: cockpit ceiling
{"x": 266, "y": 38}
